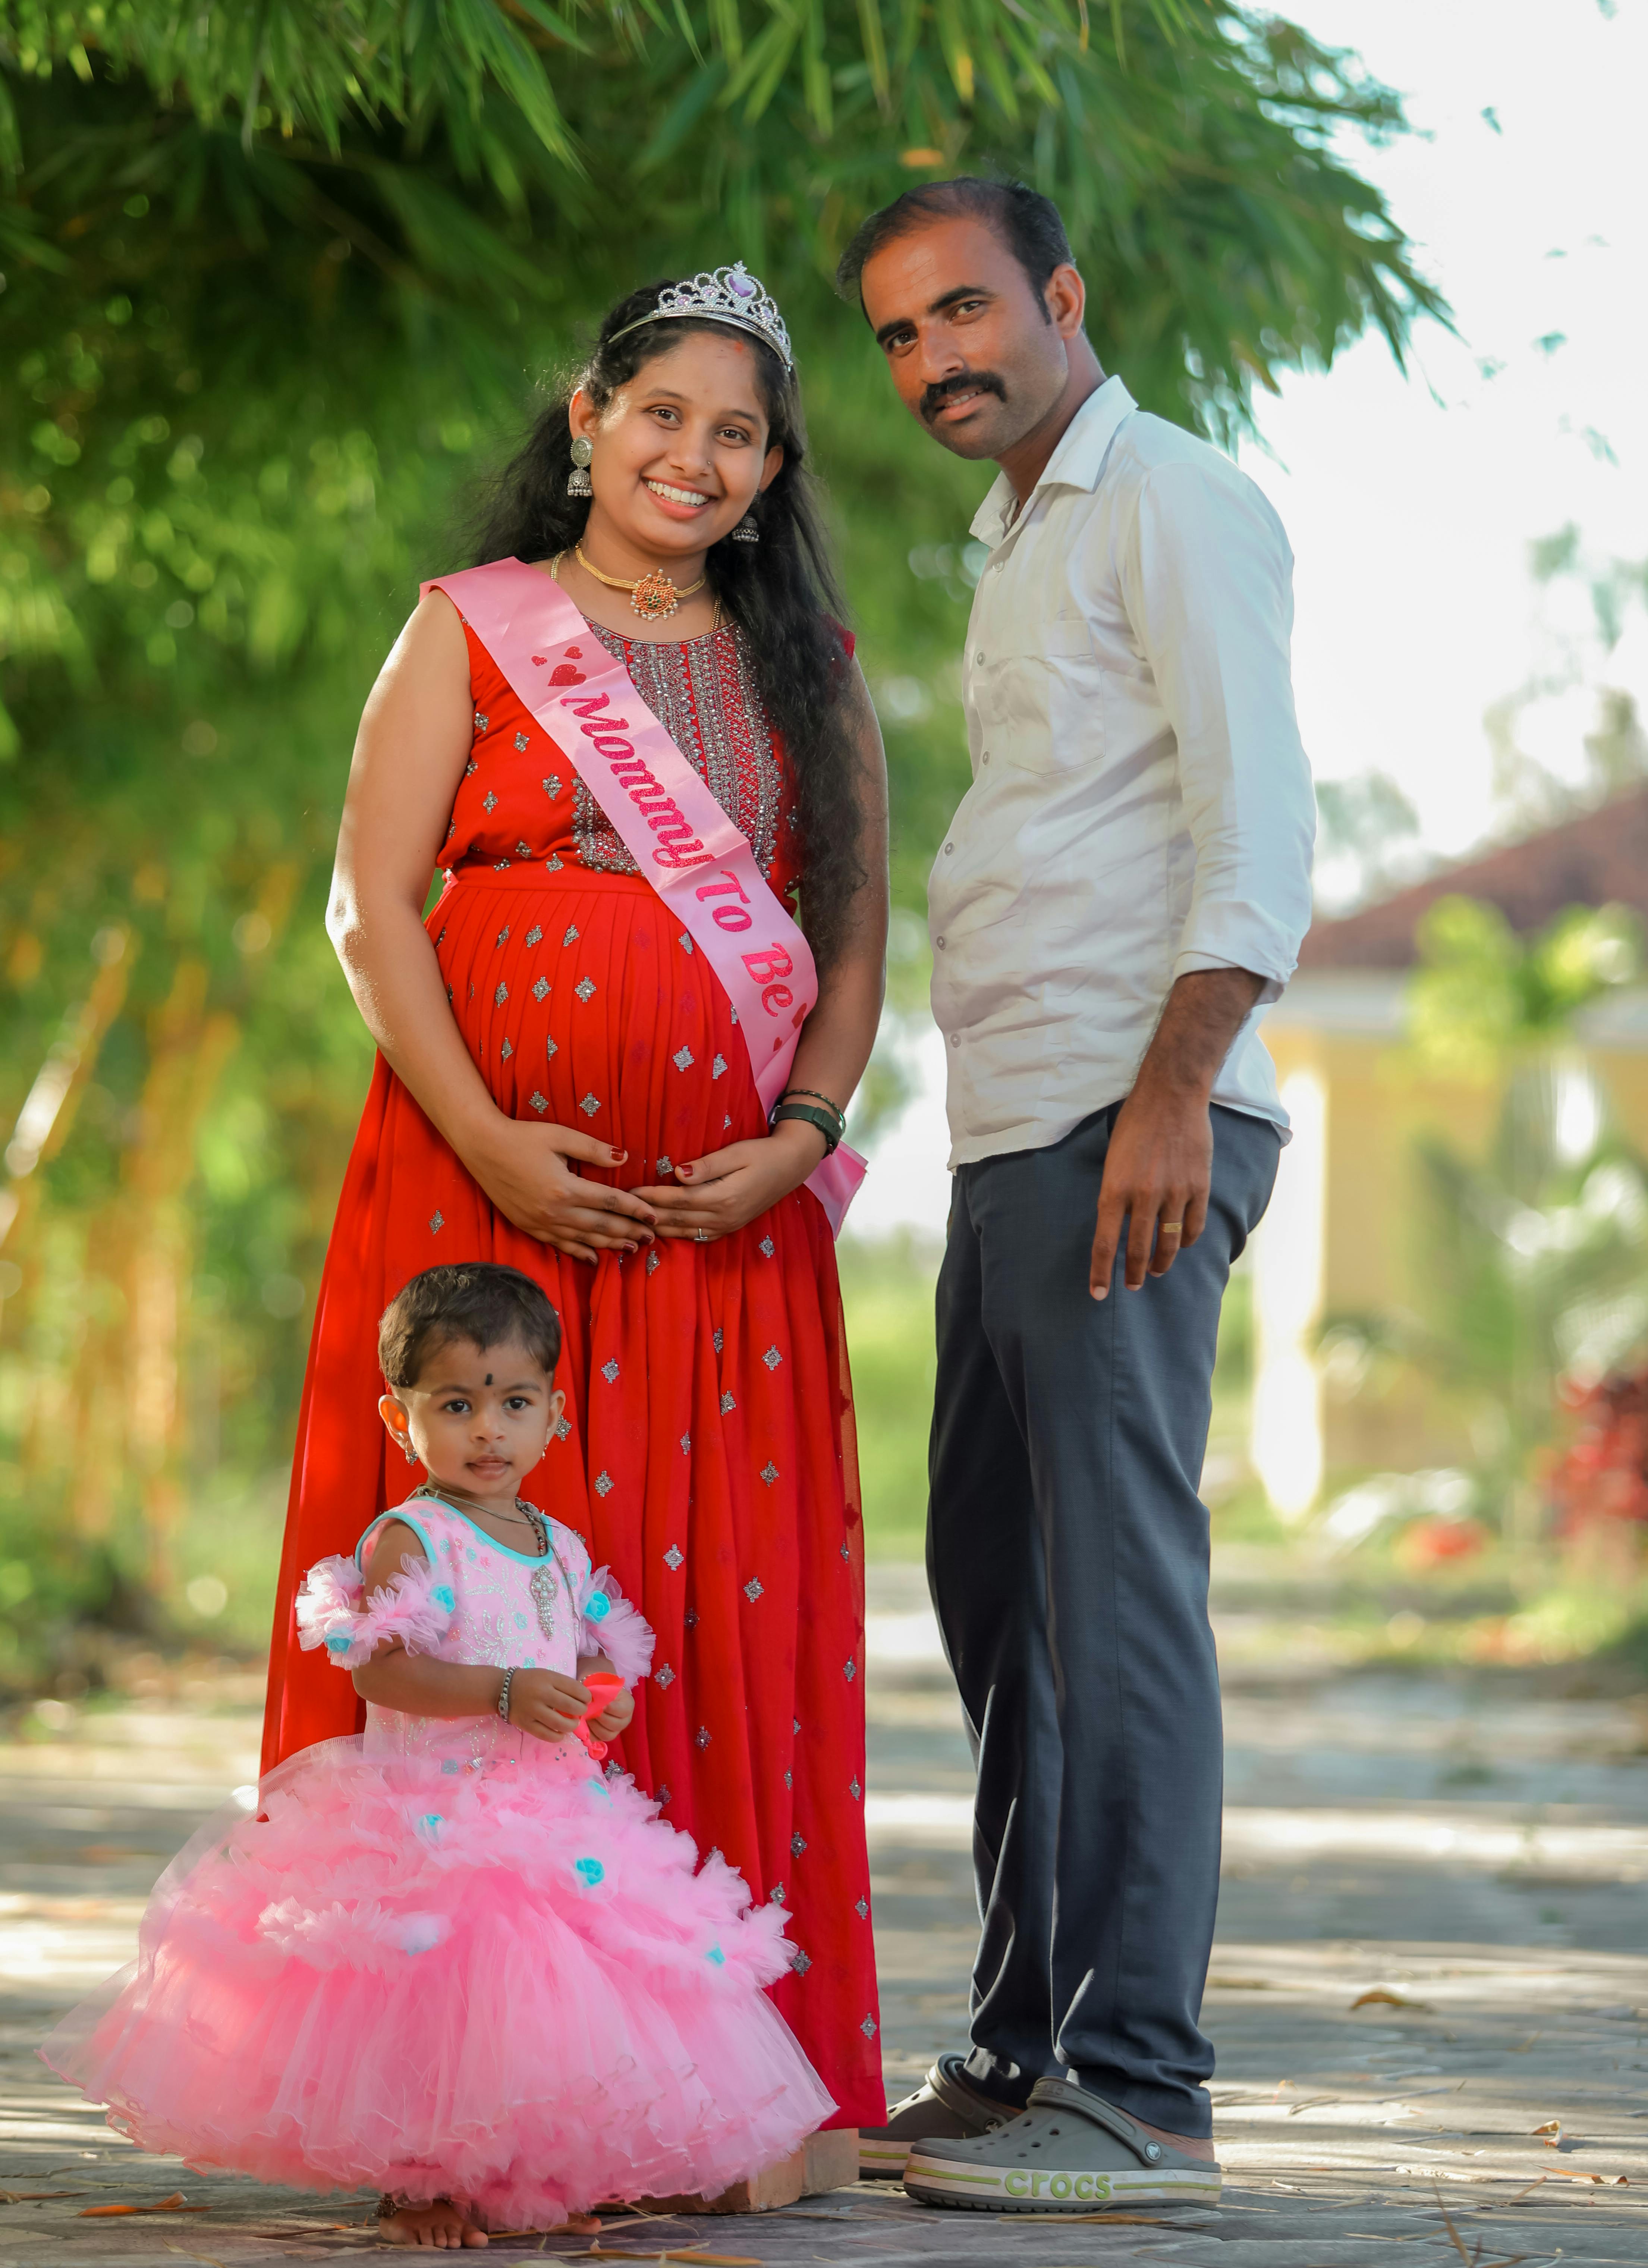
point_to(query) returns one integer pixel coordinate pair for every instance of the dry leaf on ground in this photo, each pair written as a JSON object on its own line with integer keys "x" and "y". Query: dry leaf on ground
{"x": 1381, "y": 1996}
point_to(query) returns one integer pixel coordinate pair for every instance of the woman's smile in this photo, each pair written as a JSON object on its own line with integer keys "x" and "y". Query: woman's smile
{"x": 680, "y": 503}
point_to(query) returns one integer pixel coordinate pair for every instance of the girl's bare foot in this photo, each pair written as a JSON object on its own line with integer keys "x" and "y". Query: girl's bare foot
{"x": 440, "y": 2227}
{"x": 582, "y": 2224}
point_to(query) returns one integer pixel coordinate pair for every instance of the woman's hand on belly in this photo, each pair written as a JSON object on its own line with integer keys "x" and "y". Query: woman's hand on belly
{"x": 728, "y": 1190}
{"x": 531, "y": 1175}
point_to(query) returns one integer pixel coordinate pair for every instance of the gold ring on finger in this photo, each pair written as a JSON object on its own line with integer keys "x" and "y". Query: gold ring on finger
{"x": 1170, "y": 1227}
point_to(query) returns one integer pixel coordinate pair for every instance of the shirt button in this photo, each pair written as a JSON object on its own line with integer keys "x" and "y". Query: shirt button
{"x": 949, "y": 847}
{"x": 940, "y": 942}
{"x": 955, "y": 1038}
{"x": 979, "y": 656}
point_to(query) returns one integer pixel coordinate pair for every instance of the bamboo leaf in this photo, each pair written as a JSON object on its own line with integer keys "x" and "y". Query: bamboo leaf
{"x": 875, "y": 47}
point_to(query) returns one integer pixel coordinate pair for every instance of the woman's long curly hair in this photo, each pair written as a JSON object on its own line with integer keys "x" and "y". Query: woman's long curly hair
{"x": 782, "y": 592}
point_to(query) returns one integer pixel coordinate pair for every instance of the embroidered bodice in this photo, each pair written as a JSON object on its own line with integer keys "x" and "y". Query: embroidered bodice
{"x": 520, "y": 802}
{"x": 510, "y": 1608}
{"x": 470, "y": 1599}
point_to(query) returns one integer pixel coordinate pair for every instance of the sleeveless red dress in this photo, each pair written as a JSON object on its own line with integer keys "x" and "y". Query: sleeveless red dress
{"x": 706, "y": 1452}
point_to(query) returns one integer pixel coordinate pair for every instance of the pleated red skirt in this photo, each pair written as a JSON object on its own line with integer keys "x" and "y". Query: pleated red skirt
{"x": 707, "y": 1452}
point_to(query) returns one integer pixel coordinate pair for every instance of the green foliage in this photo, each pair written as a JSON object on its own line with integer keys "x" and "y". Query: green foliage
{"x": 275, "y": 281}
{"x": 888, "y": 1295}
{"x": 1483, "y": 994}
{"x": 1534, "y": 1257}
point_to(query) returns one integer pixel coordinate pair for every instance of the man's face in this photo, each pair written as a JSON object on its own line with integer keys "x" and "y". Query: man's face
{"x": 971, "y": 348}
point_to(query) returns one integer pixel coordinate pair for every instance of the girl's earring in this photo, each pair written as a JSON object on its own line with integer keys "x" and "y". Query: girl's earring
{"x": 409, "y": 1453}
{"x": 578, "y": 481}
{"x": 746, "y": 530}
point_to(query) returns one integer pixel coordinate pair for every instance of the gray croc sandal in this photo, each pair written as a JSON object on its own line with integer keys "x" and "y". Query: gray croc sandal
{"x": 1069, "y": 2151}
{"x": 946, "y": 2106}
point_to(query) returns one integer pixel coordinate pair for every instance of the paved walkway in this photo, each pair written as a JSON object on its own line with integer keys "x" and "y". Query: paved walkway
{"x": 1429, "y": 1995}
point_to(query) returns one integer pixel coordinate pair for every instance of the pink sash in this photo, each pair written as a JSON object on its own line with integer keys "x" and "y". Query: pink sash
{"x": 695, "y": 858}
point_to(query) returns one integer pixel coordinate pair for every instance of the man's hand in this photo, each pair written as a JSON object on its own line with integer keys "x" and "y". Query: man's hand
{"x": 1159, "y": 1164}
{"x": 1156, "y": 1177}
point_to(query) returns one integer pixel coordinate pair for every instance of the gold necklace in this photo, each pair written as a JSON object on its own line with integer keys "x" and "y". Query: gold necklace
{"x": 652, "y": 596}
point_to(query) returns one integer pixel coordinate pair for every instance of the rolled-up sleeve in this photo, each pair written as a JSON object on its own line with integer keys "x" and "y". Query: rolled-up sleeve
{"x": 1206, "y": 577}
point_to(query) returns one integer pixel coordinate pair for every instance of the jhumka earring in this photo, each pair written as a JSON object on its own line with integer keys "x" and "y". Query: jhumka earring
{"x": 746, "y": 530}
{"x": 578, "y": 482}
{"x": 409, "y": 1453}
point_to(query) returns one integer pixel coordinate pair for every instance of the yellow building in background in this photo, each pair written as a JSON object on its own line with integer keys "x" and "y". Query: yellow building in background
{"x": 1345, "y": 1231}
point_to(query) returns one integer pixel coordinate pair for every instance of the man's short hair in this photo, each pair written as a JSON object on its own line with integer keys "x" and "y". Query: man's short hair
{"x": 1028, "y": 223}
{"x": 480, "y": 1302}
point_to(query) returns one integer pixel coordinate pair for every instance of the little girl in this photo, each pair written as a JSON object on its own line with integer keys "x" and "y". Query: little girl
{"x": 450, "y": 1959}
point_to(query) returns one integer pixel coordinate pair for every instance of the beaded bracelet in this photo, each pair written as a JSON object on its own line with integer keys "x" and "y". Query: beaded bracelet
{"x": 805, "y": 1111}
{"x": 504, "y": 1695}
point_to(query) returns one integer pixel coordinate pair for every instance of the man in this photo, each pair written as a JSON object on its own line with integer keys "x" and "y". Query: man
{"x": 1124, "y": 884}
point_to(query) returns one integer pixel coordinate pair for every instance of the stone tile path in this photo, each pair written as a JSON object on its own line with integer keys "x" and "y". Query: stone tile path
{"x": 1429, "y": 1995}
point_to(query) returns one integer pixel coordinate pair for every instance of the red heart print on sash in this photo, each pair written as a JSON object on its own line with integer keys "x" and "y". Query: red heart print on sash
{"x": 566, "y": 675}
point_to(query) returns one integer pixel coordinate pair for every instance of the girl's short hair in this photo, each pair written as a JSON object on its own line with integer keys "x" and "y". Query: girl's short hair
{"x": 478, "y": 1302}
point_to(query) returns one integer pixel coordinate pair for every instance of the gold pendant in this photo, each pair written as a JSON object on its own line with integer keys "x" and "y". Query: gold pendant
{"x": 654, "y": 597}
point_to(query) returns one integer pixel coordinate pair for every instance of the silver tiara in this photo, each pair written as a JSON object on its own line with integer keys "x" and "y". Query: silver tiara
{"x": 723, "y": 295}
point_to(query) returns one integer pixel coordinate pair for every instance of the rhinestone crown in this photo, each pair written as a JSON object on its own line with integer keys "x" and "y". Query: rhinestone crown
{"x": 723, "y": 295}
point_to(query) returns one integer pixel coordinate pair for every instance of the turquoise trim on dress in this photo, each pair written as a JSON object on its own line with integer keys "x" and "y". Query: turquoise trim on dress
{"x": 527, "y": 1559}
{"x": 398, "y": 1512}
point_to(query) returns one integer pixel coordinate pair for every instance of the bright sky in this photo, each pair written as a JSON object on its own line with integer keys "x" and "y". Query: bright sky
{"x": 1411, "y": 503}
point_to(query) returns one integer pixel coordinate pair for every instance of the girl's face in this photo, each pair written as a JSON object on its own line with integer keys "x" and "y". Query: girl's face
{"x": 681, "y": 451}
{"x": 479, "y": 1417}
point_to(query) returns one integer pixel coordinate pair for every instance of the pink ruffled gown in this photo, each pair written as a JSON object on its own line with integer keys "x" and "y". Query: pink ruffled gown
{"x": 445, "y": 1959}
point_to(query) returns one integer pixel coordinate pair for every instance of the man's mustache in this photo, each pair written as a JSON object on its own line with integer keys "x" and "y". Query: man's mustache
{"x": 964, "y": 382}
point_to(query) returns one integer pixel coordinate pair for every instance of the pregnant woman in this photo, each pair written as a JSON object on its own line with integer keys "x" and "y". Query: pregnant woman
{"x": 565, "y": 1084}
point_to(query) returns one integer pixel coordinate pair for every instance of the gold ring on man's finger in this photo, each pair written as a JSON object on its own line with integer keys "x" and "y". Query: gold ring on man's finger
{"x": 1170, "y": 1227}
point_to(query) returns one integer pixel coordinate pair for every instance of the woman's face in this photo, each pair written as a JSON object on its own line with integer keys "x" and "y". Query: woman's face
{"x": 681, "y": 451}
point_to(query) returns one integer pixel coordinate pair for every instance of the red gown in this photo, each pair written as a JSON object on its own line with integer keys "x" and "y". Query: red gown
{"x": 706, "y": 1452}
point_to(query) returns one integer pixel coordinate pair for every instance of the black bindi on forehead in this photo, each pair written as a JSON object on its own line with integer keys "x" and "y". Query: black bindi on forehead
{"x": 488, "y": 1378}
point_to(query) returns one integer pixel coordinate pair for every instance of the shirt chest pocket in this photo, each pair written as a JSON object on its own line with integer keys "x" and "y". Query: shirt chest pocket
{"x": 1039, "y": 697}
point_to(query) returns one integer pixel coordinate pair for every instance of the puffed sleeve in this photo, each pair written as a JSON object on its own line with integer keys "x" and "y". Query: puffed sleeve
{"x": 332, "y": 1610}
{"x": 612, "y": 1626}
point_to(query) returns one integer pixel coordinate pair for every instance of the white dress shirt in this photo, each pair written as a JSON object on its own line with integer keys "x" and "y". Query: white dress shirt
{"x": 1141, "y": 803}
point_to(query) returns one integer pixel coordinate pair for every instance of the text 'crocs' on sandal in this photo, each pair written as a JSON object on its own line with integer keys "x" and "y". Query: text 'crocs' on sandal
{"x": 1069, "y": 2151}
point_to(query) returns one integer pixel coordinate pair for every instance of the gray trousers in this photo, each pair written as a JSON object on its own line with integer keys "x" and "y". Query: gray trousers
{"x": 1068, "y": 1555}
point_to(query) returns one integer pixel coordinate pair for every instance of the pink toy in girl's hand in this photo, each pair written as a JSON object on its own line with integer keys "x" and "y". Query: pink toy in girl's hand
{"x": 602, "y": 1685}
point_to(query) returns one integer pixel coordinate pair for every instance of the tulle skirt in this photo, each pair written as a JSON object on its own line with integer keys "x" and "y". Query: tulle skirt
{"x": 507, "y": 1983}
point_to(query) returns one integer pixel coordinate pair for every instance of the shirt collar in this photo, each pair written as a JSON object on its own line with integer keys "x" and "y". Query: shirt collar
{"x": 1075, "y": 463}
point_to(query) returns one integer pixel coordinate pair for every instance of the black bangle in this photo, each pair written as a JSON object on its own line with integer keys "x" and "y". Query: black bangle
{"x": 805, "y": 1111}
{"x": 812, "y": 1094}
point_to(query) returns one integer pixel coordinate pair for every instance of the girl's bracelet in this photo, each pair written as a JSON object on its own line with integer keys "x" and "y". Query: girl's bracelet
{"x": 805, "y": 1111}
{"x": 504, "y": 1695}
